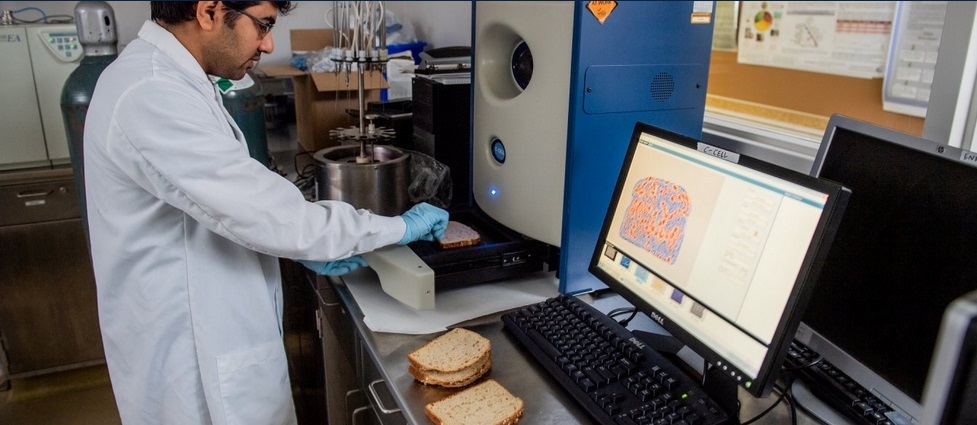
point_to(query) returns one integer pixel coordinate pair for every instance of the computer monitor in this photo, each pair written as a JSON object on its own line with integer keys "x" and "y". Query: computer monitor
{"x": 951, "y": 387}
{"x": 905, "y": 249}
{"x": 719, "y": 253}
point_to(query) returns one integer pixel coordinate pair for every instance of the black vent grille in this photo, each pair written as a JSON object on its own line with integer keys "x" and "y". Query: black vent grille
{"x": 662, "y": 86}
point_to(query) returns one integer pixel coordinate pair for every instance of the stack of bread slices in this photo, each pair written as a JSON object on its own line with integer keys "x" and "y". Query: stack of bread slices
{"x": 452, "y": 360}
{"x": 457, "y": 359}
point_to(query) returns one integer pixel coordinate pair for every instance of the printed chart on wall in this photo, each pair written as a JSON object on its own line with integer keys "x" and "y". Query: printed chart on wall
{"x": 848, "y": 38}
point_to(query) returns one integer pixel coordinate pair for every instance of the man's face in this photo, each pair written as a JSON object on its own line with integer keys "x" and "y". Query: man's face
{"x": 238, "y": 46}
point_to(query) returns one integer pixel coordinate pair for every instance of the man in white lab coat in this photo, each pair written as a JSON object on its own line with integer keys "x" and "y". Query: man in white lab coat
{"x": 186, "y": 229}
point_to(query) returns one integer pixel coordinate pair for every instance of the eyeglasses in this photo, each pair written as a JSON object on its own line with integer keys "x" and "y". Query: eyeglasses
{"x": 264, "y": 27}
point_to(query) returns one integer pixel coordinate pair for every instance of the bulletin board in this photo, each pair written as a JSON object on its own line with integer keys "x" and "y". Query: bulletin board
{"x": 767, "y": 91}
{"x": 789, "y": 67}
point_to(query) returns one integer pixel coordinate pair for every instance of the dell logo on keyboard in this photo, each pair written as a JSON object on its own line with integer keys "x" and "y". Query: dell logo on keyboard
{"x": 637, "y": 343}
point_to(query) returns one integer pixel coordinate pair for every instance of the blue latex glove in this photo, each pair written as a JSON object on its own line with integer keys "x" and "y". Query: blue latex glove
{"x": 424, "y": 222}
{"x": 335, "y": 268}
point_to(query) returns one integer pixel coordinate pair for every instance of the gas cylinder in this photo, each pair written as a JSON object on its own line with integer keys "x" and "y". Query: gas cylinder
{"x": 96, "y": 33}
{"x": 245, "y": 101}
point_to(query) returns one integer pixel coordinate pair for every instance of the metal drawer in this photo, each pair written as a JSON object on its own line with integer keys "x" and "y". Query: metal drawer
{"x": 38, "y": 202}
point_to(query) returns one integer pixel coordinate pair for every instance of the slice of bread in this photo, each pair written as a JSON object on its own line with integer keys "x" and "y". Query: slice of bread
{"x": 486, "y": 403}
{"x": 457, "y": 379}
{"x": 453, "y": 351}
{"x": 458, "y": 235}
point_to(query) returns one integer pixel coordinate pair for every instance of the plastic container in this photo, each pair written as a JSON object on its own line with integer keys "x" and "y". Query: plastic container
{"x": 415, "y": 49}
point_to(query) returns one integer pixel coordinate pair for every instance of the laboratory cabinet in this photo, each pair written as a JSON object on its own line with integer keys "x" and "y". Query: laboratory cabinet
{"x": 355, "y": 392}
{"x": 48, "y": 313}
{"x": 369, "y": 378}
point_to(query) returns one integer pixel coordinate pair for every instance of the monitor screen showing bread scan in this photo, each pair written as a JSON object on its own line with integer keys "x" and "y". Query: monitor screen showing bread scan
{"x": 719, "y": 253}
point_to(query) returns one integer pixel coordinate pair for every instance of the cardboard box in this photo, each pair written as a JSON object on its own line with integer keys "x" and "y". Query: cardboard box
{"x": 321, "y": 99}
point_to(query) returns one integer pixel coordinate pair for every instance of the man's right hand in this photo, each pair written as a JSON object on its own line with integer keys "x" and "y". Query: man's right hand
{"x": 424, "y": 222}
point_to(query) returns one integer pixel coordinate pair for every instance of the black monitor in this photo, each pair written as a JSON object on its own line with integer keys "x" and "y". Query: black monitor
{"x": 951, "y": 387}
{"x": 905, "y": 249}
{"x": 719, "y": 253}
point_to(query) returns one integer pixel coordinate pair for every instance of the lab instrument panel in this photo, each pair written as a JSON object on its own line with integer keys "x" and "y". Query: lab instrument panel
{"x": 557, "y": 88}
{"x": 37, "y": 60}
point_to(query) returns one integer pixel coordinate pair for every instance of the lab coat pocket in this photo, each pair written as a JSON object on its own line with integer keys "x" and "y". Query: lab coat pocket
{"x": 254, "y": 385}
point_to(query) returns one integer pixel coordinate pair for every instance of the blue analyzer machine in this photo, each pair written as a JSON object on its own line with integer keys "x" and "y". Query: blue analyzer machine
{"x": 557, "y": 89}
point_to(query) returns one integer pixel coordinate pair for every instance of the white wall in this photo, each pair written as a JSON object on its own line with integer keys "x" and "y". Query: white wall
{"x": 439, "y": 23}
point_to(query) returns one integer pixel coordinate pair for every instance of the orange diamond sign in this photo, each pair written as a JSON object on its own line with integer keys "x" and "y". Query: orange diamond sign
{"x": 601, "y": 9}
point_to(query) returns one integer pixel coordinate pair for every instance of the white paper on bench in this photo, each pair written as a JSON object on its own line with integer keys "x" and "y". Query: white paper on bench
{"x": 383, "y": 313}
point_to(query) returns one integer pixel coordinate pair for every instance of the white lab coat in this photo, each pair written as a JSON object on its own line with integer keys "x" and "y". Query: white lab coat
{"x": 185, "y": 231}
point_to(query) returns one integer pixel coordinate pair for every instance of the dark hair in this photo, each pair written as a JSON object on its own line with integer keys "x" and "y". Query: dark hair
{"x": 176, "y": 12}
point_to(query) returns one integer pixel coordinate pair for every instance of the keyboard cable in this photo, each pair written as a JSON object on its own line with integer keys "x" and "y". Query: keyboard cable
{"x": 812, "y": 363}
{"x": 623, "y": 310}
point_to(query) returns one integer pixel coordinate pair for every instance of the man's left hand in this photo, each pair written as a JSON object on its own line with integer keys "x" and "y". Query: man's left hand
{"x": 335, "y": 268}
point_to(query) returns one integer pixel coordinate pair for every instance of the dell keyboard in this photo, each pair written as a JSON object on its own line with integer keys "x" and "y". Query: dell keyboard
{"x": 835, "y": 388}
{"x": 615, "y": 377}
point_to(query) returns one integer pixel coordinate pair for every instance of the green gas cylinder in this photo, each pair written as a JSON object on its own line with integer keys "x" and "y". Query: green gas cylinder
{"x": 96, "y": 33}
{"x": 245, "y": 101}
{"x": 75, "y": 98}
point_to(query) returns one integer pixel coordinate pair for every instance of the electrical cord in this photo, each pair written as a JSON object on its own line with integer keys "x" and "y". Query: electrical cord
{"x": 634, "y": 312}
{"x": 792, "y": 404}
{"x": 785, "y": 393}
{"x": 295, "y": 162}
{"x": 28, "y": 9}
{"x": 623, "y": 310}
{"x": 305, "y": 179}
{"x": 780, "y": 398}
{"x": 619, "y": 311}
{"x": 308, "y": 180}
{"x": 812, "y": 363}
{"x": 44, "y": 16}
{"x": 36, "y": 9}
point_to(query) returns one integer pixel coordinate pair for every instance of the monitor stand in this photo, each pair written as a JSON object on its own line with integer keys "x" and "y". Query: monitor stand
{"x": 814, "y": 406}
{"x": 719, "y": 386}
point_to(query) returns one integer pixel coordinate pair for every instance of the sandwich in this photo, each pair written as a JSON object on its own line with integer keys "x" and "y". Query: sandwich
{"x": 453, "y": 360}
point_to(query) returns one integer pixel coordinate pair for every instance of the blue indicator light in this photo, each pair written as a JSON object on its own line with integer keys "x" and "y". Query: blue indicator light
{"x": 493, "y": 192}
